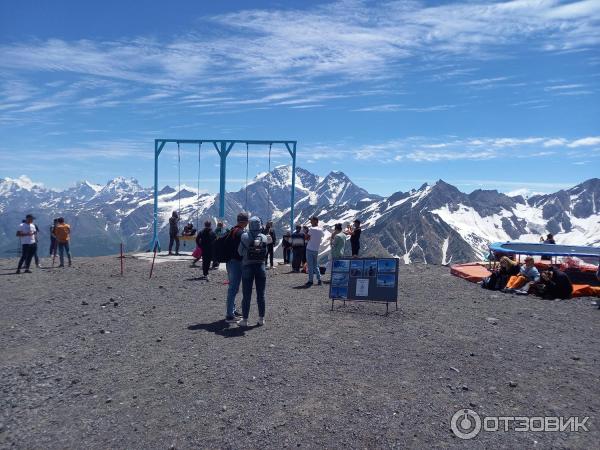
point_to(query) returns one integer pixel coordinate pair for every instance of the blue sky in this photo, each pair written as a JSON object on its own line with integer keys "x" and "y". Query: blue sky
{"x": 501, "y": 95}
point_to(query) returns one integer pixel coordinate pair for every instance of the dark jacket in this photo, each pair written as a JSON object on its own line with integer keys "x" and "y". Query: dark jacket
{"x": 207, "y": 238}
{"x": 559, "y": 286}
{"x": 270, "y": 232}
{"x": 174, "y": 226}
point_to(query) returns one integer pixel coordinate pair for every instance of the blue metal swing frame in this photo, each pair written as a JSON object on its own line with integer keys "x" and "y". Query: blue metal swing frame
{"x": 223, "y": 148}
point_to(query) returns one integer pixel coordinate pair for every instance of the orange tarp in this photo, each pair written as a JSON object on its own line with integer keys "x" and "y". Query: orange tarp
{"x": 472, "y": 272}
{"x": 585, "y": 290}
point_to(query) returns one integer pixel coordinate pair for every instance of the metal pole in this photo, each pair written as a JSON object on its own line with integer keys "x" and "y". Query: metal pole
{"x": 223, "y": 155}
{"x": 121, "y": 259}
{"x": 293, "y": 188}
{"x": 155, "y": 214}
{"x": 153, "y": 258}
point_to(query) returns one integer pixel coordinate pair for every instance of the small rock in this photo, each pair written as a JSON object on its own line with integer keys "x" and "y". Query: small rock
{"x": 472, "y": 404}
{"x": 513, "y": 384}
{"x": 455, "y": 369}
{"x": 161, "y": 286}
{"x": 465, "y": 387}
{"x": 159, "y": 339}
{"x": 272, "y": 345}
{"x": 180, "y": 381}
{"x": 108, "y": 400}
{"x": 83, "y": 302}
{"x": 102, "y": 331}
{"x": 471, "y": 354}
{"x": 539, "y": 346}
{"x": 224, "y": 408}
{"x": 115, "y": 304}
{"x": 575, "y": 358}
{"x": 492, "y": 320}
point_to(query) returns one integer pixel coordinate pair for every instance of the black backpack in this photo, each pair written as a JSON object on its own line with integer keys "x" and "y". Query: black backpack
{"x": 226, "y": 246}
{"x": 257, "y": 252}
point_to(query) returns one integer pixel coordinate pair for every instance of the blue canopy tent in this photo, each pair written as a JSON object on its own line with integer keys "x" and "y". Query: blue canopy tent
{"x": 525, "y": 248}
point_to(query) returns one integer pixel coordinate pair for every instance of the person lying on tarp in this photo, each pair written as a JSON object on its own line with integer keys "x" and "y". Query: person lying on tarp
{"x": 553, "y": 284}
{"x": 499, "y": 277}
{"x": 521, "y": 282}
{"x": 189, "y": 230}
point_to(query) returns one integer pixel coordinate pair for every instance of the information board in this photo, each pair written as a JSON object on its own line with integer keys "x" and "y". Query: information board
{"x": 364, "y": 279}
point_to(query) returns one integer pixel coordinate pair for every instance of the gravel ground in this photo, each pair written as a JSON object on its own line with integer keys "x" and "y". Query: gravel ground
{"x": 90, "y": 359}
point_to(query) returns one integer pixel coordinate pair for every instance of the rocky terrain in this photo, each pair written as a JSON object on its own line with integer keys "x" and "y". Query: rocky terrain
{"x": 90, "y": 359}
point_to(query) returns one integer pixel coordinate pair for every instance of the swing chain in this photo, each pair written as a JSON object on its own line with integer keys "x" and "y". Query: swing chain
{"x": 179, "y": 180}
{"x": 269, "y": 190}
{"x": 246, "y": 193}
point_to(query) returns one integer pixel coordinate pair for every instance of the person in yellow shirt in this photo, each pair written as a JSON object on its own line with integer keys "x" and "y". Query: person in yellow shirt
{"x": 62, "y": 231}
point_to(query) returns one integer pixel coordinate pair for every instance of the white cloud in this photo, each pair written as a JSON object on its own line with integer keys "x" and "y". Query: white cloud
{"x": 585, "y": 142}
{"x": 562, "y": 87}
{"x": 555, "y": 142}
{"x": 348, "y": 41}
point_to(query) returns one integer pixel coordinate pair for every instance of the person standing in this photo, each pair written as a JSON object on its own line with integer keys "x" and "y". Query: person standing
{"x": 36, "y": 258}
{"x": 174, "y": 233}
{"x": 53, "y": 238}
{"x": 549, "y": 240}
{"x": 63, "y": 236}
{"x": 297, "y": 248}
{"x": 27, "y": 234}
{"x": 207, "y": 244}
{"x": 234, "y": 265}
{"x": 269, "y": 232}
{"x": 354, "y": 233}
{"x": 314, "y": 238}
{"x": 338, "y": 242}
{"x": 286, "y": 244}
{"x": 305, "y": 231}
{"x": 253, "y": 249}
{"x": 219, "y": 231}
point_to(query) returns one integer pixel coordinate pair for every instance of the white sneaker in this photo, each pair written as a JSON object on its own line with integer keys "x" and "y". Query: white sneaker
{"x": 261, "y": 321}
{"x": 243, "y": 323}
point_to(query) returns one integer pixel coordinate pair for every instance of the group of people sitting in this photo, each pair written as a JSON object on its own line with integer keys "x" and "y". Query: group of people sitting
{"x": 512, "y": 277}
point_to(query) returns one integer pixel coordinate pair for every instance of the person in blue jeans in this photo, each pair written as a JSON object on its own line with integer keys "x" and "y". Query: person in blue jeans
{"x": 314, "y": 237}
{"x": 253, "y": 249}
{"x": 234, "y": 266}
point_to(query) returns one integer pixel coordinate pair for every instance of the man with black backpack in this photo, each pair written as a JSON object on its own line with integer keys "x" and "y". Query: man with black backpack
{"x": 226, "y": 249}
{"x": 253, "y": 249}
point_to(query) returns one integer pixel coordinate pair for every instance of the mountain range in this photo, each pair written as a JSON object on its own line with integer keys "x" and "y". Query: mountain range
{"x": 435, "y": 224}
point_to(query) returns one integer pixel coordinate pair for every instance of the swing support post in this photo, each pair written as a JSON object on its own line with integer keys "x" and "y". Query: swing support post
{"x": 223, "y": 148}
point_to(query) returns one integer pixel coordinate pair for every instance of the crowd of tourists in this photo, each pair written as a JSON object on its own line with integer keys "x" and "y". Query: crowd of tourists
{"x": 248, "y": 250}
{"x": 28, "y": 233}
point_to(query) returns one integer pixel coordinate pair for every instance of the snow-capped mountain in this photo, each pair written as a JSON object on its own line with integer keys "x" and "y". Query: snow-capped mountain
{"x": 434, "y": 224}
